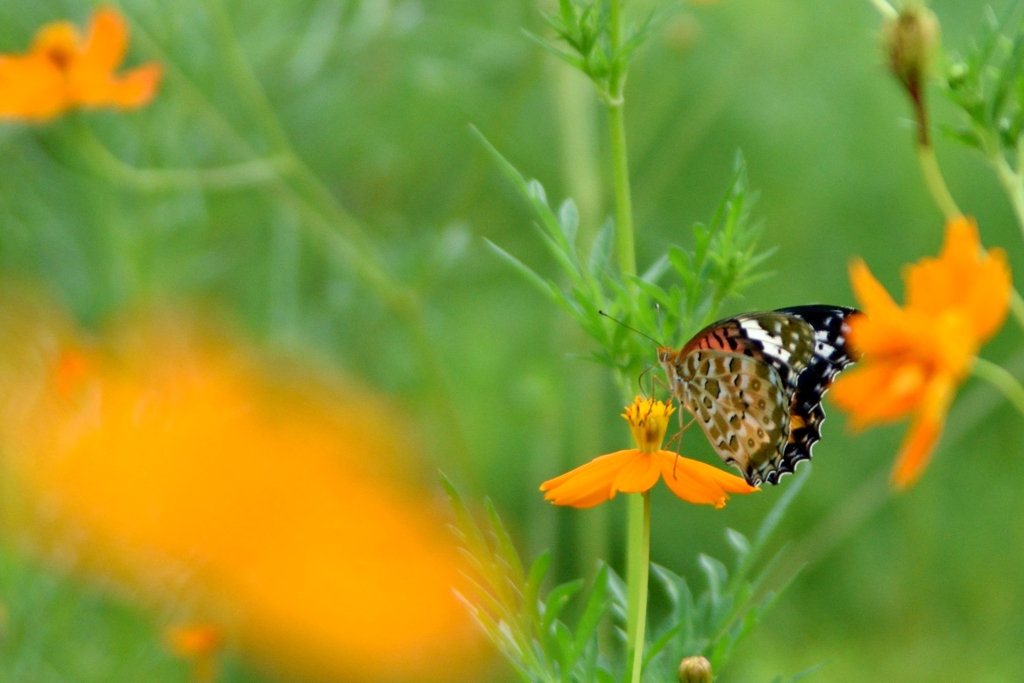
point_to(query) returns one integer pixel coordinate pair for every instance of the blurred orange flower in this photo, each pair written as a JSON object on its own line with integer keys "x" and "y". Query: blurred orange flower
{"x": 62, "y": 71}
{"x": 639, "y": 469}
{"x": 915, "y": 356}
{"x": 271, "y": 503}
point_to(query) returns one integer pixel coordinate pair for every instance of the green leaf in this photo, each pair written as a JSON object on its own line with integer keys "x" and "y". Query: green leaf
{"x": 556, "y": 601}
{"x": 470, "y": 532}
{"x": 563, "y": 637}
{"x": 601, "y": 249}
{"x": 652, "y": 290}
{"x": 531, "y": 592}
{"x": 805, "y": 673}
{"x": 1008, "y": 76}
{"x": 597, "y": 605}
{"x": 510, "y": 171}
{"x": 536, "y": 192}
{"x": 778, "y": 511}
{"x": 740, "y": 544}
{"x": 506, "y": 549}
{"x": 545, "y": 287}
{"x": 567, "y": 57}
{"x": 569, "y": 220}
{"x": 965, "y": 136}
{"x": 657, "y": 270}
{"x": 716, "y": 574}
{"x": 617, "y": 590}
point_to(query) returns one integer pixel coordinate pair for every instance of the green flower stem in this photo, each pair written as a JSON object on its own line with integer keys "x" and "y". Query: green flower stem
{"x": 1013, "y": 184}
{"x": 626, "y": 252}
{"x": 887, "y": 11}
{"x": 936, "y": 183}
{"x": 1017, "y": 307}
{"x": 219, "y": 179}
{"x": 624, "y": 246}
{"x": 638, "y": 561}
{"x": 1001, "y": 379}
{"x": 638, "y": 518}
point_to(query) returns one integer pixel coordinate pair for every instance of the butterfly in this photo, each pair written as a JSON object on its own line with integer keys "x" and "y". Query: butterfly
{"x": 755, "y": 383}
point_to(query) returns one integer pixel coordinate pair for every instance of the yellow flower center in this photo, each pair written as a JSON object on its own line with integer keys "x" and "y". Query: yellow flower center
{"x": 648, "y": 420}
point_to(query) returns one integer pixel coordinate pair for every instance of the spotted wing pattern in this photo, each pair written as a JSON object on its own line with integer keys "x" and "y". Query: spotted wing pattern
{"x": 741, "y": 404}
{"x": 800, "y": 350}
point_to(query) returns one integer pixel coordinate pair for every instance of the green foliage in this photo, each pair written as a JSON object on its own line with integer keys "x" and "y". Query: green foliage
{"x": 507, "y": 604}
{"x": 583, "y": 28}
{"x": 677, "y": 295}
{"x": 714, "y": 622}
{"x": 988, "y": 85}
{"x": 526, "y": 623}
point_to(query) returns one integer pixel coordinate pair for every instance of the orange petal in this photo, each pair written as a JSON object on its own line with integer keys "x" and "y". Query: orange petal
{"x": 962, "y": 242}
{"x": 31, "y": 88}
{"x": 879, "y": 391}
{"x": 935, "y": 285}
{"x": 589, "y": 484}
{"x": 58, "y": 39}
{"x": 963, "y": 277}
{"x": 92, "y": 88}
{"x": 870, "y": 293}
{"x": 919, "y": 443}
{"x": 137, "y": 87}
{"x": 697, "y": 482}
{"x": 639, "y": 474}
{"x": 107, "y": 42}
{"x": 887, "y": 332}
{"x": 989, "y": 301}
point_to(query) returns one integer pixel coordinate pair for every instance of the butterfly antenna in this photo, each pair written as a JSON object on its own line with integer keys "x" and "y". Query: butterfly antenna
{"x": 629, "y": 327}
{"x": 640, "y": 380}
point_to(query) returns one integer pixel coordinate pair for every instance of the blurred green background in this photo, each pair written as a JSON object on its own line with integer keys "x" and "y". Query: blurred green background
{"x": 376, "y": 97}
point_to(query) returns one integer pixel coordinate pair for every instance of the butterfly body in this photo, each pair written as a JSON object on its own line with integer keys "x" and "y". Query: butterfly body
{"x": 755, "y": 383}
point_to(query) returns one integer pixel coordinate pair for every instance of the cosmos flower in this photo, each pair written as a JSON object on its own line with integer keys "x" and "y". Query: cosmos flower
{"x": 62, "y": 70}
{"x": 273, "y": 504}
{"x": 639, "y": 469}
{"x": 916, "y": 356}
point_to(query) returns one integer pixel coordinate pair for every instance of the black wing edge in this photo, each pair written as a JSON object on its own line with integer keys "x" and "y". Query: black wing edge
{"x": 831, "y": 356}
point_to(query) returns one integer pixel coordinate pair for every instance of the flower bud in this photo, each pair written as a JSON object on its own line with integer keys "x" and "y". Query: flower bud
{"x": 695, "y": 670}
{"x": 911, "y": 40}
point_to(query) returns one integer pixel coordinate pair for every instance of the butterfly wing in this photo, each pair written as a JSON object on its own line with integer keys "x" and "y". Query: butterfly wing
{"x": 784, "y": 341}
{"x": 805, "y": 348}
{"x": 741, "y": 404}
{"x": 831, "y": 355}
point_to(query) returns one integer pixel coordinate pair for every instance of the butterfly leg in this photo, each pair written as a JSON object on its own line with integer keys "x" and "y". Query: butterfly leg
{"x": 678, "y": 438}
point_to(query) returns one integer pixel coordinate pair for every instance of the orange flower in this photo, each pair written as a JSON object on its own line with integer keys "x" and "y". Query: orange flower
{"x": 62, "y": 71}
{"x": 639, "y": 469}
{"x": 916, "y": 356}
{"x": 274, "y": 505}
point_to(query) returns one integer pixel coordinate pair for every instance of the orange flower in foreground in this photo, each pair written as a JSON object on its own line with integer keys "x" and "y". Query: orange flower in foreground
{"x": 62, "y": 70}
{"x": 272, "y": 504}
{"x": 915, "y": 356}
{"x": 639, "y": 469}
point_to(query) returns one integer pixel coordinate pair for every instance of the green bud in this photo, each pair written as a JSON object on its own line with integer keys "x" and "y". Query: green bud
{"x": 956, "y": 74}
{"x": 695, "y": 670}
{"x": 911, "y": 41}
